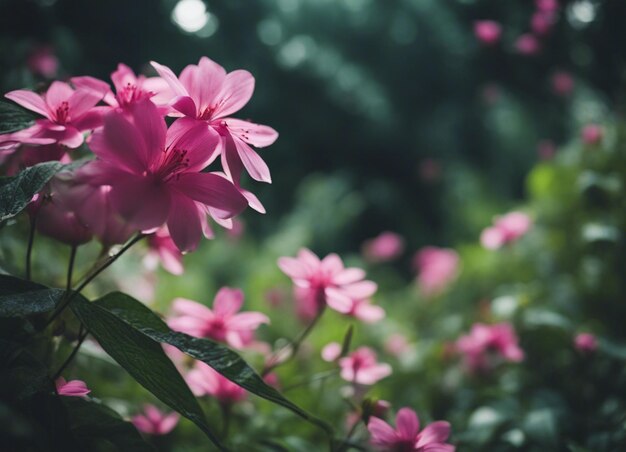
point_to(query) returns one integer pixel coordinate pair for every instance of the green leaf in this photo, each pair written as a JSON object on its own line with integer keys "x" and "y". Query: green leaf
{"x": 219, "y": 357}
{"x": 20, "y": 298}
{"x": 94, "y": 425}
{"x": 14, "y": 118}
{"x": 17, "y": 191}
{"x": 143, "y": 358}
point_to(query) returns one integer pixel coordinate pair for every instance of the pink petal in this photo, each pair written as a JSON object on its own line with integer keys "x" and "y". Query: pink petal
{"x": 247, "y": 321}
{"x": 57, "y": 93}
{"x": 185, "y": 105}
{"x": 81, "y": 101}
{"x": 371, "y": 375}
{"x": 120, "y": 143}
{"x": 369, "y": 313}
{"x": 96, "y": 86}
{"x": 437, "y": 432}
{"x": 439, "y": 448}
{"x": 236, "y": 91}
{"x": 203, "y": 81}
{"x": 255, "y": 134}
{"x": 143, "y": 424}
{"x": 122, "y": 77}
{"x": 332, "y": 264}
{"x": 29, "y": 100}
{"x": 407, "y": 424}
{"x": 231, "y": 163}
{"x": 492, "y": 238}
{"x": 331, "y": 351}
{"x": 227, "y": 302}
{"x": 171, "y": 79}
{"x": 212, "y": 190}
{"x": 253, "y": 201}
{"x": 140, "y": 201}
{"x": 254, "y": 164}
{"x": 91, "y": 120}
{"x": 382, "y": 433}
{"x": 338, "y": 300}
{"x": 168, "y": 423}
{"x": 293, "y": 268}
{"x": 151, "y": 126}
{"x": 348, "y": 276}
{"x": 360, "y": 290}
{"x": 308, "y": 258}
{"x": 183, "y": 306}
{"x": 197, "y": 138}
{"x": 184, "y": 223}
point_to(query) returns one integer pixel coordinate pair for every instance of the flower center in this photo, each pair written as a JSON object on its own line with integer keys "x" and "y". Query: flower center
{"x": 207, "y": 113}
{"x": 62, "y": 113}
{"x": 174, "y": 161}
{"x": 129, "y": 94}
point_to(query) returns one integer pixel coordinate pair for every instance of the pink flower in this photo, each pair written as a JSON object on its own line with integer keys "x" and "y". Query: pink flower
{"x": 541, "y": 22}
{"x": 437, "y": 268}
{"x": 129, "y": 88}
{"x": 547, "y": 5}
{"x": 485, "y": 342}
{"x": 562, "y": 83}
{"x": 331, "y": 351}
{"x": 67, "y": 113}
{"x": 154, "y": 422}
{"x": 326, "y": 282}
{"x": 527, "y": 44}
{"x": 396, "y": 345}
{"x": 20, "y": 156}
{"x": 506, "y": 229}
{"x": 546, "y": 149}
{"x": 222, "y": 323}
{"x": 156, "y": 174}
{"x": 161, "y": 248}
{"x": 207, "y": 94}
{"x": 386, "y": 247}
{"x": 592, "y": 134}
{"x": 43, "y": 62}
{"x": 365, "y": 311}
{"x": 73, "y": 388}
{"x": 203, "y": 380}
{"x": 407, "y": 436}
{"x": 487, "y": 31}
{"x": 585, "y": 342}
{"x": 361, "y": 367}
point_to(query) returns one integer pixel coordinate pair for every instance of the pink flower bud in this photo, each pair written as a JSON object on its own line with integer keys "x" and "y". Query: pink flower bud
{"x": 586, "y": 343}
{"x": 592, "y": 134}
{"x": 488, "y": 32}
{"x": 527, "y": 44}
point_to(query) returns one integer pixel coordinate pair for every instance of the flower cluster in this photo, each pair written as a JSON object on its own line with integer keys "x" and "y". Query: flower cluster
{"x": 486, "y": 344}
{"x": 506, "y": 229}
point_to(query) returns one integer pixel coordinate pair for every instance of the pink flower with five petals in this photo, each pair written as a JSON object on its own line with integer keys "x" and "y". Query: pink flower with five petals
{"x": 203, "y": 380}
{"x": 361, "y": 367}
{"x": 154, "y": 422}
{"x": 485, "y": 342}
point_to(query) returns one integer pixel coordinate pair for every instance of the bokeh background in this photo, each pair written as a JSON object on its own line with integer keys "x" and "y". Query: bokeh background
{"x": 393, "y": 116}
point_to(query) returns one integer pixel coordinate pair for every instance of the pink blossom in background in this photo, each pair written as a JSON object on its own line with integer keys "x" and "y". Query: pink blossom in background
{"x": 562, "y": 83}
{"x": 546, "y": 149}
{"x": 385, "y": 247}
{"x": 67, "y": 113}
{"x": 365, "y": 311}
{"x": 237, "y": 230}
{"x": 506, "y": 229}
{"x": 397, "y": 344}
{"x": 541, "y": 23}
{"x": 155, "y": 422}
{"x": 407, "y": 435}
{"x": 325, "y": 282}
{"x": 223, "y": 323}
{"x": 17, "y": 156}
{"x": 162, "y": 168}
{"x": 331, "y": 351}
{"x": 72, "y": 388}
{"x": 429, "y": 170}
{"x": 488, "y": 32}
{"x": 527, "y": 44}
{"x": 586, "y": 342}
{"x": 207, "y": 94}
{"x": 272, "y": 380}
{"x": 592, "y": 134}
{"x": 361, "y": 367}
{"x": 547, "y": 5}
{"x": 486, "y": 342}
{"x": 163, "y": 250}
{"x": 437, "y": 268}
{"x": 43, "y": 62}
{"x": 203, "y": 380}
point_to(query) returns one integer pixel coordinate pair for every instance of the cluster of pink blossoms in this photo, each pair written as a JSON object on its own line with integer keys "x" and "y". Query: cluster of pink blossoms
{"x": 486, "y": 344}
{"x": 506, "y": 229}
{"x": 154, "y": 422}
{"x": 437, "y": 268}
{"x": 146, "y": 175}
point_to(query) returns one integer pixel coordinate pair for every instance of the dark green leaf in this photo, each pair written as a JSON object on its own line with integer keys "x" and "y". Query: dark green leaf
{"x": 93, "y": 424}
{"x": 143, "y": 358}
{"x": 219, "y": 357}
{"x": 14, "y": 118}
{"x": 17, "y": 191}
{"x": 19, "y": 298}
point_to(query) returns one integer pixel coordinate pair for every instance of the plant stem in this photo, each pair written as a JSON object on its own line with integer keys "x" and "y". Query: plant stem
{"x": 70, "y": 268}
{"x": 29, "y": 249}
{"x": 82, "y": 334}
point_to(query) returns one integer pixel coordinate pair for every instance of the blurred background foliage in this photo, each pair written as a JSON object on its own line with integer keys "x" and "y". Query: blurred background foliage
{"x": 392, "y": 116}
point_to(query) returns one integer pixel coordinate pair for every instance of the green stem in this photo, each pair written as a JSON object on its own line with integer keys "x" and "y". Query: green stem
{"x": 29, "y": 249}
{"x": 82, "y": 334}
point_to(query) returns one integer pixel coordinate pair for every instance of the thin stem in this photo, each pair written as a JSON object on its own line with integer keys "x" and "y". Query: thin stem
{"x": 318, "y": 377}
{"x": 29, "y": 249}
{"x": 82, "y": 334}
{"x": 70, "y": 268}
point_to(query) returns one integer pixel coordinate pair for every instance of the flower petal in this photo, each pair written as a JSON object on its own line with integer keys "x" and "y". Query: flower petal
{"x": 212, "y": 190}
{"x": 185, "y": 105}
{"x": 81, "y": 102}
{"x": 184, "y": 306}
{"x": 57, "y": 93}
{"x": 437, "y": 432}
{"x": 247, "y": 321}
{"x": 140, "y": 201}
{"x": 29, "y": 100}
{"x": 383, "y": 435}
{"x": 184, "y": 223}
{"x": 361, "y": 289}
{"x": 236, "y": 91}
{"x": 151, "y": 126}
{"x": 255, "y": 134}
{"x": 254, "y": 164}
{"x": 197, "y": 138}
{"x": 407, "y": 424}
{"x": 349, "y": 276}
{"x": 228, "y": 301}
{"x": 171, "y": 79}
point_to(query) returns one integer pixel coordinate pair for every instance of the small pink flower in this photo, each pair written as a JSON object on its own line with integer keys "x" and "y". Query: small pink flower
{"x": 73, "y": 388}
{"x": 527, "y": 44}
{"x": 547, "y": 5}
{"x": 586, "y": 343}
{"x": 361, "y": 367}
{"x": 506, "y": 229}
{"x": 407, "y": 436}
{"x": 386, "y": 247}
{"x": 43, "y": 62}
{"x": 541, "y": 22}
{"x": 546, "y": 149}
{"x": 437, "y": 267}
{"x": 562, "y": 83}
{"x": 483, "y": 341}
{"x": 67, "y": 113}
{"x": 325, "y": 282}
{"x": 331, "y": 351}
{"x": 222, "y": 323}
{"x": 203, "y": 380}
{"x": 155, "y": 422}
{"x": 592, "y": 134}
{"x": 488, "y": 32}
{"x": 396, "y": 345}
{"x": 161, "y": 248}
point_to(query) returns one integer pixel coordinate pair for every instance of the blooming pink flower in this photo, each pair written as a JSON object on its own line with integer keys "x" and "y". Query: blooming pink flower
{"x": 527, "y": 44}
{"x": 73, "y": 388}
{"x": 361, "y": 367}
{"x": 541, "y": 22}
{"x": 506, "y": 229}
{"x": 161, "y": 248}
{"x": 562, "y": 83}
{"x": 207, "y": 94}
{"x": 203, "y": 380}
{"x": 43, "y": 62}
{"x": 67, "y": 113}
{"x": 437, "y": 269}
{"x": 487, "y": 31}
{"x": 326, "y": 282}
{"x": 585, "y": 342}
{"x": 17, "y": 156}
{"x": 406, "y": 437}
{"x": 592, "y": 134}
{"x": 155, "y": 174}
{"x": 483, "y": 341}
{"x": 546, "y": 149}
{"x": 222, "y": 323}
{"x": 547, "y": 5}
{"x": 154, "y": 422}
{"x": 386, "y": 247}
